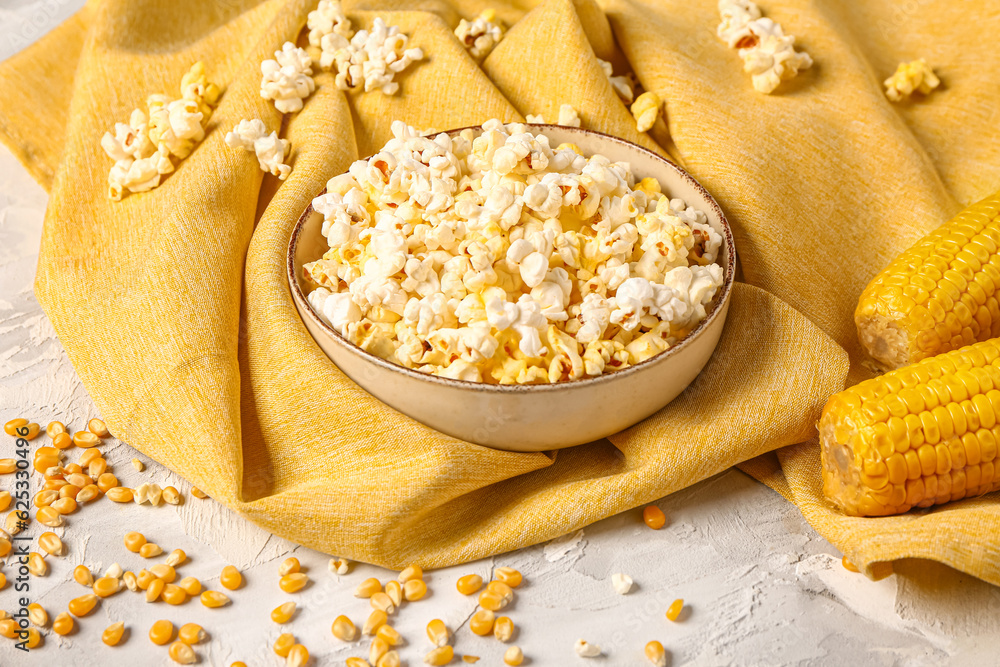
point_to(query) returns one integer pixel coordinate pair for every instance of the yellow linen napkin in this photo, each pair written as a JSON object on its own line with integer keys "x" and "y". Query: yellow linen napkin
{"x": 173, "y": 307}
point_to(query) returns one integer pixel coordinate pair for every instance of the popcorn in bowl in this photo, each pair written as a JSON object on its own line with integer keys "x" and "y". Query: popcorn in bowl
{"x": 490, "y": 256}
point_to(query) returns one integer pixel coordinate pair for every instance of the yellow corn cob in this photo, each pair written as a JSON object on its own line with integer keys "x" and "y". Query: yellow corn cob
{"x": 915, "y": 437}
{"x": 939, "y": 295}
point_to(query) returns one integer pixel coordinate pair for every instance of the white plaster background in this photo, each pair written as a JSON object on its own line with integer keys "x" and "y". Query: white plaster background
{"x": 762, "y": 586}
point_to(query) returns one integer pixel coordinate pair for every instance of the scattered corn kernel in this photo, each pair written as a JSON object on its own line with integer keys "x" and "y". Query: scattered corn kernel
{"x": 368, "y": 588}
{"x": 9, "y": 628}
{"x": 390, "y": 659}
{"x": 469, "y": 584}
{"x": 500, "y": 589}
{"x": 491, "y": 601}
{"x": 848, "y": 565}
{"x": 120, "y": 494}
{"x": 37, "y": 565}
{"x": 674, "y": 610}
{"x": 655, "y": 654}
{"x": 34, "y": 636}
{"x": 63, "y": 624}
{"x": 47, "y": 516}
{"x": 481, "y": 622}
{"x": 356, "y": 662}
{"x": 106, "y": 481}
{"x": 114, "y": 570}
{"x": 138, "y": 465}
{"x": 97, "y": 427}
{"x": 378, "y": 648}
{"x": 230, "y": 578}
{"x": 298, "y": 656}
{"x": 161, "y": 633}
{"x": 82, "y": 605}
{"x": 470, "y": 659}
{"x": 382, "y": 602}
{"x": 654, "y": 517}
{"x": 106, "y": 587}
{"x": 38, "y": 615}
{"x": 88, "y": 493}
{"x": 7, "y": 466}
{"x": 389, "y": 635}
{"x": 294, "y": 582}
{"x": 503, "y": 628}
{"x": 130, "y": 581}
{"x": 50, "y": 543}
{"x": 150, "y": 550}
{"x": 97, "y": 467}
{"x": 155, "y": 589}
{"x": 64, "y": 506}
{"x": 442, "y": 655}
{"x": 191, "y": 634}
{"x": 414, "y": 589}
{"x": 43, "y": 498}
{"x": 284, "y": 612}
{"x": 508, "y": 575}
{"x": 144, "y": 579}
{"x": 198, "y": 493}
{"x": 174, "y": 595}
{"x": 87, "y": 456}
{"x": 395, "y": 592}
{"x": 585, "y": 649}
{"x": 182, "y": 654}
{"x": 54, "y": 429}
{"x": 176, "y": 557}
{"x": 68, "y": 491}
{"x": 85, "y": 439}
{"x": 190, "y": 585}
{"x": 11, "y": 427}
{"x": 62, "y": 441}
{"x": 513, "y": 656}
{"x": 284, "y": 643}
{"x": 343, "y": 629}
{"x": 171, "y": 496}
{"x": 3, "y": 582}
{"x": 437, "y": 632}
{"x": 410, "y": 573}
{"x": 213, "y": 599}
{"x": 113, "y": 633}
{"x": 82, "y": 575}
{"x": 289, "y": 566}
{"x": 375, "y": 620}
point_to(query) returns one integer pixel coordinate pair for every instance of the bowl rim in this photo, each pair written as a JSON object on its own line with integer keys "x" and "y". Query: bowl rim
{"x": 729, "y": 271}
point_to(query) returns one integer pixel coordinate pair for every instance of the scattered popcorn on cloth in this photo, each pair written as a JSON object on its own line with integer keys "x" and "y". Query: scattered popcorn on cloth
{"x": 568, "y": 117}
{"x": 480, "y": 35}
{"x": 769, "y": 56}
{"x": 370, "y": 59}
{"x": 252, "y": 135}
{"x": 645, "y": 110}
{"x": 145, "y": 148}
{"x": 492, "y": 257}
{"x": 287, "y": 80}
{"x": 912, "y": 77}
{"x": 622, "y": 84}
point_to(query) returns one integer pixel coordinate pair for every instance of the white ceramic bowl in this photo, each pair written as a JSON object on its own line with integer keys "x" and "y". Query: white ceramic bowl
{"x": 533, "y": 417}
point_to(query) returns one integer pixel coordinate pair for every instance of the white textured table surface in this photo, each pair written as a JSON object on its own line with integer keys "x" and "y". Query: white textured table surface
{"x": 762, "y": 587}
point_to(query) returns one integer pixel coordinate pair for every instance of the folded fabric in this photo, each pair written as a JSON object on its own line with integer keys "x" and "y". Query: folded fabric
{"x": 173, "y": 307}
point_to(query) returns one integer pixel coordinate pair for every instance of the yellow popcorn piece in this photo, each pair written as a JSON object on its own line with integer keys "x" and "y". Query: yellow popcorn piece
{"x": 913, "y": 77}
{"x": 645, "y": 110}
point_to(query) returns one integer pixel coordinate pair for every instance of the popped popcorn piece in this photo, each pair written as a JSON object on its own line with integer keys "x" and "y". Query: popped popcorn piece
{"x": 145, "y": 148}
{"x": 373, "y": 58}
{"x": 252, "y": 135}
{"x": 769, "y": 56}
{"x": 622, "y": 85}
{"x": 533, "y": 118}
{"x": 449, "y": 255}
{"x": 328, "y": 19}
{"x": 585, "y": 649}
{"x": 645, "y": 110}
{"x": 568, "y": 117}
{"x": 287, "y": 79}
{"x": 911, "y": 77}
{"x": 622, "y": 583}
{"x": 481, "y": 35}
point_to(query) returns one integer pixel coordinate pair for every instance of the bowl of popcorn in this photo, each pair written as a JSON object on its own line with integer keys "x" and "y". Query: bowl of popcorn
{"x": 524, "y": 287}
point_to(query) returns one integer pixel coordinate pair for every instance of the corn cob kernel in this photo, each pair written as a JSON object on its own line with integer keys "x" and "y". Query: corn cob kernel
{"x": 231, "y": 578}
{"x": 38, "y": 615}
{"x": 182, "y": 654}
{"x": 442, "y": 655}
{"x": 298, "y": 656}
{"x": 414, "y": 589}
{"x": 508, "y": 575}
{"x": 155, "y": 589}
{"x": 368, "y": 588}
{"x": 284, "y": 612}
{"x": 213, "y": 599}
{"x": 513, "y": 656}
{"x": 674, "y": 610}
{"x": 915, "y": 437}
{"x": 283, "y": 644}
{"x": 343, "y": 629}
{"x": 437, "y": 632}
{"x": 82, "y": 605}
{"x": 503, "y": 628}
{"x": 294, "y": 582}
{"x": 63, "y": 624}
{"x": 469, "y": 584}
{"x": 113, "y": 634}
{"x": 191, "y": 634}
{"x": 375, "y": 620}
{"x": 481, "y": 622}
{"x": 655, "y": 654}
{"x": 939, "y": 295}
